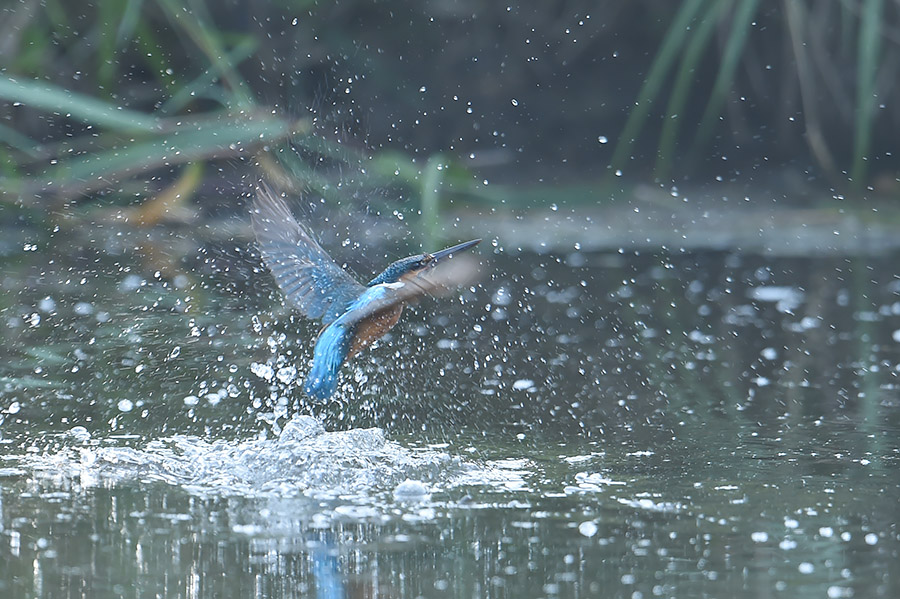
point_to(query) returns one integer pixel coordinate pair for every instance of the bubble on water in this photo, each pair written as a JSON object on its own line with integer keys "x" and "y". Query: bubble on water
{"x": 501, "y": 297}
{"x": 806, "y": 568}
{"x": 826, "y": 531}
{"x": 191, "y": 400}
{"x": 79, "y": 433}
{"x": 785, "y": 299}
{"x": 645, "y": 503}
{"x": 421, "y": 515}
{"x": 447, "y": 344}
{"x": 131, "y": 283}
{"x": 787, "y": 544}
{"x": 84, "y": 309}
{"x": 125, "y": 405}
{"x": 759, "y": 536}
{"x": 699, "y": 337}
{"x": 603, "y": 139}
{"x": 523, "y": 384}
{"x": 357, "y": 512}
{"x": 806, "y": 323}
{"x": 587, "y": 529}
{"x": 47, "y": 305}
{"x": 411, "y": 489}
{"x": 871, "y": 538}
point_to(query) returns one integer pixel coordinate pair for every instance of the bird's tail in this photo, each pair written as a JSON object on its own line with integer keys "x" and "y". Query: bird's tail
{"x": 331, "y": 350}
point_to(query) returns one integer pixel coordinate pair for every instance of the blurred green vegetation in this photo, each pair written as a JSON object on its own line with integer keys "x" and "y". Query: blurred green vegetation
{"x": 350, "y": 99}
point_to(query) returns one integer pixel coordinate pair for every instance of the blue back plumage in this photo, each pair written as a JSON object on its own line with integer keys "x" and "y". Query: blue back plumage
{"x": 394, "y": 271}
{"x": 331, "y": 351}
{"x": 335, "y": 341}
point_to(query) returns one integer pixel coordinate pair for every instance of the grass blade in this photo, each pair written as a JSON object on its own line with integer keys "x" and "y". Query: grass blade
{"x": 84, "y": 108}
{"x": 209, "y": 43}
{"x": 668, "y": 50}
{"x": 866, "y": 71}
{"x": 432, "y": 179}
{"x": 677, "y": 101}
{"x": 740, "y": 28}
{"x": 188, "y": 142}
{"x": 128, "y": 23}
{"x": 193, "y": 89}
{"x": 16, "y": 140}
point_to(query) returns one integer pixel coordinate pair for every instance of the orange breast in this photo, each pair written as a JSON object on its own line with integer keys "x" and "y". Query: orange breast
{"x": 374, "y": 328}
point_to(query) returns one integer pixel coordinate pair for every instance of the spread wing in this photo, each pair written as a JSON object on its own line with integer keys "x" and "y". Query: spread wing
{"x": 446, "y": 276}
{"x": 307, "y": 276}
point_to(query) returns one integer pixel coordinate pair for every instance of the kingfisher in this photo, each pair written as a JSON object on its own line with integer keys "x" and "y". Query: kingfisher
{"x": 353, "y": 315}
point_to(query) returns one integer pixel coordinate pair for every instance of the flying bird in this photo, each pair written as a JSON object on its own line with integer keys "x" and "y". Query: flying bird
{"x": 353, "y": 315}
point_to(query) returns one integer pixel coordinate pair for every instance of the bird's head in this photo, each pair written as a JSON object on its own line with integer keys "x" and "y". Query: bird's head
{"x": 414, "y": 265}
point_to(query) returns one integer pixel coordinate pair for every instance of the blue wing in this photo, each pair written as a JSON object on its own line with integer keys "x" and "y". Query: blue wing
{"x": 307, "y": 276}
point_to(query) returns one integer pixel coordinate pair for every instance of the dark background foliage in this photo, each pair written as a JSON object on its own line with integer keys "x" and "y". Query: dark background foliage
{"x": 564, "y": 93}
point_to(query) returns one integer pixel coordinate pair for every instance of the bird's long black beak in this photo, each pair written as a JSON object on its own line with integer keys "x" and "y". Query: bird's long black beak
{"x": 460, "y": 247}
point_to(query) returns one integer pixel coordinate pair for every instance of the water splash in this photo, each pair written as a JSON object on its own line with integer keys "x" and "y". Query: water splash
{"x": 304, "y": 459}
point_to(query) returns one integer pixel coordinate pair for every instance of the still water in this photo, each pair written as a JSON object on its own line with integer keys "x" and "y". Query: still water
{"x": 636, "y": 425}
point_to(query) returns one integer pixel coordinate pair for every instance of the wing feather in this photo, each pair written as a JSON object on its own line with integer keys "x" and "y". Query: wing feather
{"x": 305, "y": 273}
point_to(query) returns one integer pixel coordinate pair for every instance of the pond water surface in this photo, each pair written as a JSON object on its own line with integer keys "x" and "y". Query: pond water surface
{"x": 623, "y": 424}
